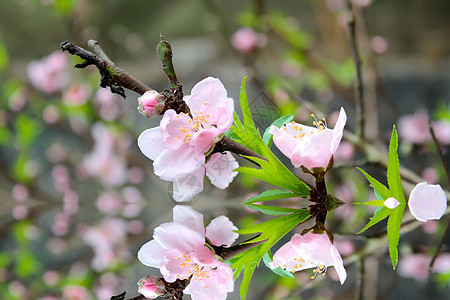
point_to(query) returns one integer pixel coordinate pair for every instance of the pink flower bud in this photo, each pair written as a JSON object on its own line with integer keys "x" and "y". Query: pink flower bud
{"x": 150, "y": 104}
{"x": 151, "y": 287}
{"x": 427, "y": 201}
{"x": 391, "y": 203}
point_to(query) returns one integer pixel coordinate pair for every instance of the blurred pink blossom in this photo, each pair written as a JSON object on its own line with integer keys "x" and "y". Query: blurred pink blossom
{"x": 61, "y": 178}
{"x": 106, "y": 239}
{"x": 442, "y": 131}
{"x": 19, "y": 212}
{"x": 427, "y": 202}
{"x": 75, "y": 292}
{"x": 19, "y": 192}
{"x": 109, "y": 203}
{"x": 414, "y": 128}
{"x": 50, "y": 73}
{"x": 76, "y": 95}
{"x": 71, "y": 202}
{"x": 309, "y": 251}
{"x": 430, "y": 175}
{"x": 51, "y": 114}
{"x": 246, "y": 40}
{"x": 108, "y": 103}
{"x": 51, "y": 278}
{"x": 416, "y": 266}
{"x": 379, "y": 44}
{"x": 430, "y": 226}
{"x": 344, "y": 152}
{"x": 311, "y": 147}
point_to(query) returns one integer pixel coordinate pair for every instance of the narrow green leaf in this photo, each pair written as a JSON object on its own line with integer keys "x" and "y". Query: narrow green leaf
{"x": 393, "y": 169}
{"x": 378, "y": 186}
{"x": 270, "y": 195}
{"x": 267, "y": 137}
{"x": 381, "y": 215}
{"x": 271, "y": 210}
{"x": 372, "y": 203}
{"x": 267, "y": 259}
{"x": 393, "y": 230}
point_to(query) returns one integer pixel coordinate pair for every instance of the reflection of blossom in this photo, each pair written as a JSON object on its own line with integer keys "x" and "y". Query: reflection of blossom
{"x": 178, "y": 250}
{"x": 309, "y": 251}
{"x": 179, "y": 144}
{"x": 49, "y": 74}
{"x": 427, "y": 202}
{"x": 103, "y": 162}
{"x": 311, "y": 147}
{"x": 107, "y": 240}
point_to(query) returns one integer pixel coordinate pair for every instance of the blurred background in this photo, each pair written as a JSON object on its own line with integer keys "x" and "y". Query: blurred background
{"x": 78, "y": 198}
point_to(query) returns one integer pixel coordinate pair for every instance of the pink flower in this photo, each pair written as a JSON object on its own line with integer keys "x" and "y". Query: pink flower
{"x": 245, "y": 40}
{"x": 151, "y": 287}
{"x": 311, "y": 147}
{"x": 76, "y": 292}
{"x": 49, "y": 74}
{"x": 442, "y": 131}
{"x": 427, "y": 202}
{"x": 150, "y": 104}
{"x": 309, "y": 251}
{"x": 178, "y": 250}
{"x": 391, "y": 203}
{"x": 179, "y": 144}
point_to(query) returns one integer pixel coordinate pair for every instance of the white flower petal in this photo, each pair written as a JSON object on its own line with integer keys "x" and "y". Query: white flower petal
{"x": 220, "y": 169}
{"x": 220, "y": 231}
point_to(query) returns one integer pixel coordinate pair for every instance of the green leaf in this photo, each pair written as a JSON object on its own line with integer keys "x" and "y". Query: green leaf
{"x": 4, "y": 57}
{"x": 271, "y": 170}
{"x": 393, "y": 230}
{"x": 393, "y": 169}
{"x": 381, "y": 215}
{"x": 270, "y": 195}
{"x": 267, "y": 137}
{"x": 271, "y": 210}
{"x": 372, "y": 203}
{"x": 271, "y": 232}
{"x": 378, "y": 186}
{"x": 267, "y": 259}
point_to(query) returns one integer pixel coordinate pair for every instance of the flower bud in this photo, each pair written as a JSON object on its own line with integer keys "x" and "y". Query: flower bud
{"x": 151, "y": 287}
{"x": 391, "y": 203}
{"x": 151, "y": 104}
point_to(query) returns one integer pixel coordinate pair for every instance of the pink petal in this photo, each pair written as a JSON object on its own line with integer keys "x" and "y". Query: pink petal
{"x": 170, "y": 165}
{"x": 220, "y": 232}
{"x": 150, "y": 143}
{"x": 205, "y": 139}
{"x": 187, "y": 185}
{"x": 177, "y": 236}
{"x": 338, "y": 130}
{"x": 187, "y": 216}
{"x": 220, "y": 169}
{"x": 427, "y": 201}
{"x": 151, "y": 254}
{"x": 209, "y": 90}
{"x": 338, "y": 264}
{"x": 205, "y": 257}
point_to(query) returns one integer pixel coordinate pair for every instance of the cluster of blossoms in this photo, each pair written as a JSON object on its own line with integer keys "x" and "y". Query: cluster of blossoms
{"x": 179, "y": 144}
{"x": 180, "y": 250}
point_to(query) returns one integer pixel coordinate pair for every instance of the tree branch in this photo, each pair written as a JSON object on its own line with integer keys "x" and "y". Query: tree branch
{"x": 111, "y": 75}
{"x": 360, "y": 108}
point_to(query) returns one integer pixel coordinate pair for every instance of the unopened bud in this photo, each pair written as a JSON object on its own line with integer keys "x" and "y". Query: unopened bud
{"x": 151, "y": 104}
{"x": 151, "y": 287}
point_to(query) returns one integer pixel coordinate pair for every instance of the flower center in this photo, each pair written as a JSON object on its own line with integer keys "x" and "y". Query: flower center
{"x": 198, "y": 122}
{"x": 320, "y": 269}
{"x": 320, "y": 125}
